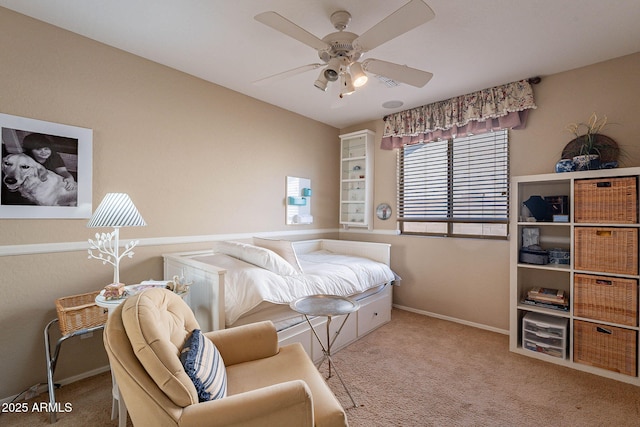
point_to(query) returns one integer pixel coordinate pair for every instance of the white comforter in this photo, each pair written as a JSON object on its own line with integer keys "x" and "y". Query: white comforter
{"x": 246, "y": 285}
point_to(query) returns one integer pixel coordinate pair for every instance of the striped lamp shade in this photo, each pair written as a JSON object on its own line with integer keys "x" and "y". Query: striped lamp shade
{"x": 116, "y": 210}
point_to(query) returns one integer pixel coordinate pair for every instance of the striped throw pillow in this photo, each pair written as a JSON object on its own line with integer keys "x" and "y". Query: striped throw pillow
{"x": 204, "y": 365}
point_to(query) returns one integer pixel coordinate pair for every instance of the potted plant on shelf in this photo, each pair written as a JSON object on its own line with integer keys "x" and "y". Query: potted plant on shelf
{"x": 590, "y": 149}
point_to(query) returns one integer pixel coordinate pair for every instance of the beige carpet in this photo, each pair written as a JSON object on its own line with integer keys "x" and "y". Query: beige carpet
{"x": 421, "y": 371}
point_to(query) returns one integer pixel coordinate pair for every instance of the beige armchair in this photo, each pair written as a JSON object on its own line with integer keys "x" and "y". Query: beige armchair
{"x": 267, "y": 385}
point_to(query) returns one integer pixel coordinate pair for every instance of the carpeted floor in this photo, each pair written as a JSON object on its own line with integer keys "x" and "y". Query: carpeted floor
{"x": 421, "y": 371}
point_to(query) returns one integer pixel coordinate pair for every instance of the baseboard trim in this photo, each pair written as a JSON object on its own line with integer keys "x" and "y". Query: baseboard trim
{"x": 452, "y": 319}
{"x": 43, "y": 387}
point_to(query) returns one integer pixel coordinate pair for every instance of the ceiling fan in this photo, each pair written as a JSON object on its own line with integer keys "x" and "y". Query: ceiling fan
{"x": 341, "y": 51}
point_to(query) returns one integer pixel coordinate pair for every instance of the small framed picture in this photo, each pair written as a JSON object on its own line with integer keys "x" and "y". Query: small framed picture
{"x": 46, "y": 169}
{"x": 530, "y": 236}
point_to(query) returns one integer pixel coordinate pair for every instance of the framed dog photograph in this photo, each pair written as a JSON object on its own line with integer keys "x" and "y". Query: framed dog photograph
{"x": 46, "y": 169}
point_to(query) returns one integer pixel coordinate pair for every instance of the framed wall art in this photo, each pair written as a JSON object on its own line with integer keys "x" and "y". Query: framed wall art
{"x": 46, "y": 169}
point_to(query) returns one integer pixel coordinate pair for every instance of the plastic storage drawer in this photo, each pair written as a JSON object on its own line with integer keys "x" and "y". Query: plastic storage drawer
{"x": 544, "y": 349}
{"x": 545, "y": 334}
{"x": 542, "y": 338}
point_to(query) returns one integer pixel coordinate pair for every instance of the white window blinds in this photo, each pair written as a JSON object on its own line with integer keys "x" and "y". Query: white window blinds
{"x": 457, "y": 187}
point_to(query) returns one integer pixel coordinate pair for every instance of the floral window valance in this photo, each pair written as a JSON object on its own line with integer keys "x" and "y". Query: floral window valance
{"x": 495, "y": 108}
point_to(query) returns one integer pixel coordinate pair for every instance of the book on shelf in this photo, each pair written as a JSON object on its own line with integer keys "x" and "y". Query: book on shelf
{"x": 563, "y": 301}
{"x": 560, "y": 307}
{"x": 548, "y": 295}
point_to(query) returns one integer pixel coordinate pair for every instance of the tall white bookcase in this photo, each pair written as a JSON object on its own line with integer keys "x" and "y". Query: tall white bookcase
{"x": 356, "y": 179}
{"x": 601, "y": 315}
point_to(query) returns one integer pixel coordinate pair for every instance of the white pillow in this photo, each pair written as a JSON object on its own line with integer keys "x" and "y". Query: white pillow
{"x": 284, "y": 248}
{"x": 261, "y": 257}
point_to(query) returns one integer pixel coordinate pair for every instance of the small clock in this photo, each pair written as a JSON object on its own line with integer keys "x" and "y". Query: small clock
{"x": 383, "y": 211}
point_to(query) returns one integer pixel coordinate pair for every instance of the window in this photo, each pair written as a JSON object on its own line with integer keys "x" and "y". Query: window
{"x": 457, "y": 187}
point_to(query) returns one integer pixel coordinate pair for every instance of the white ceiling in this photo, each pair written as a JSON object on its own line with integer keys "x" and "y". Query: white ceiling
{"x": 468, "y": 46}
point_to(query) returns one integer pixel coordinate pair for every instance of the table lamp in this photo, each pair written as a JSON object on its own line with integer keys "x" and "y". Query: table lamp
{"x": 116, "y": 210}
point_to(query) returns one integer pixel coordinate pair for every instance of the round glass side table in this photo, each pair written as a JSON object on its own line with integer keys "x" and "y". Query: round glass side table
{"x": 327, "y": 306}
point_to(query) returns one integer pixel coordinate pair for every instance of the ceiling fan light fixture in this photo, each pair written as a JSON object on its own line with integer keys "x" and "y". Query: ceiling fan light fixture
{"x": 332, "y": 72}
{"x": 346, "y": 85}
{"x": 358, "y": 75}
{"x": 321, "y": 82}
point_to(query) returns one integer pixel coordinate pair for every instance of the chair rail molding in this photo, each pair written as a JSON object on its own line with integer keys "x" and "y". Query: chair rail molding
{"x": 45, "y": 248}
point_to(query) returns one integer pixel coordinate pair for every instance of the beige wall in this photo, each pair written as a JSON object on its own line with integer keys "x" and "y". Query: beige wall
{"x": 196, "y": 158}
{"x": 468, "y": 279}
{"x": 201, "y": 160}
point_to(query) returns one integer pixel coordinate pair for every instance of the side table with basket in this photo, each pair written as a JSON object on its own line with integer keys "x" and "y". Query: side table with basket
{"x": 77, "y": 315}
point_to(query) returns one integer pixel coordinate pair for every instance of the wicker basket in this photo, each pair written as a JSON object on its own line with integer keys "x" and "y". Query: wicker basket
{"x": 608, "y": 299}
{"x": 78, "y": 312}
{"x": 610, "y": 200}
{"x": 605, "y": 347}
{"x": 607, "y": 250}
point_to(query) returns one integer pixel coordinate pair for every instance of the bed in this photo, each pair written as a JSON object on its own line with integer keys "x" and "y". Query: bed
{"x": 237, "y": 283}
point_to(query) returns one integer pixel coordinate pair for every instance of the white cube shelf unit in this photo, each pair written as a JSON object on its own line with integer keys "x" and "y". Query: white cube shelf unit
{"x": 600, "y": 231}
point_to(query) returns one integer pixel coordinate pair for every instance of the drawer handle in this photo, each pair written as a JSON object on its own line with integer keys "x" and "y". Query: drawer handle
{"x": 375, "y": 313}
{"x": 603, "y": 330}
{"x": 606, "y": 184}
{"x": 604, "y": 282}
{"x": 603, "y": 233}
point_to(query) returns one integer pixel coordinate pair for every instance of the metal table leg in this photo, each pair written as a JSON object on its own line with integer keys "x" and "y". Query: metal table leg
{"x": 52, "y": 360}
{"x": 51, "y": 367}
{"x": 326, "y": 352}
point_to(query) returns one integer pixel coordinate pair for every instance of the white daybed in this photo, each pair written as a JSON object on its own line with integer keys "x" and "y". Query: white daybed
{"x": 326, "y": 266}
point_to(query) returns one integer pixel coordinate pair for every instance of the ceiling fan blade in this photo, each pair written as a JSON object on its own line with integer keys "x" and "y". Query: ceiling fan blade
{"x": 283, "y": 25}
{"x": 285, "y": 74}
{"x": 397, "y": 72}
{"x": 408, "y": 17}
